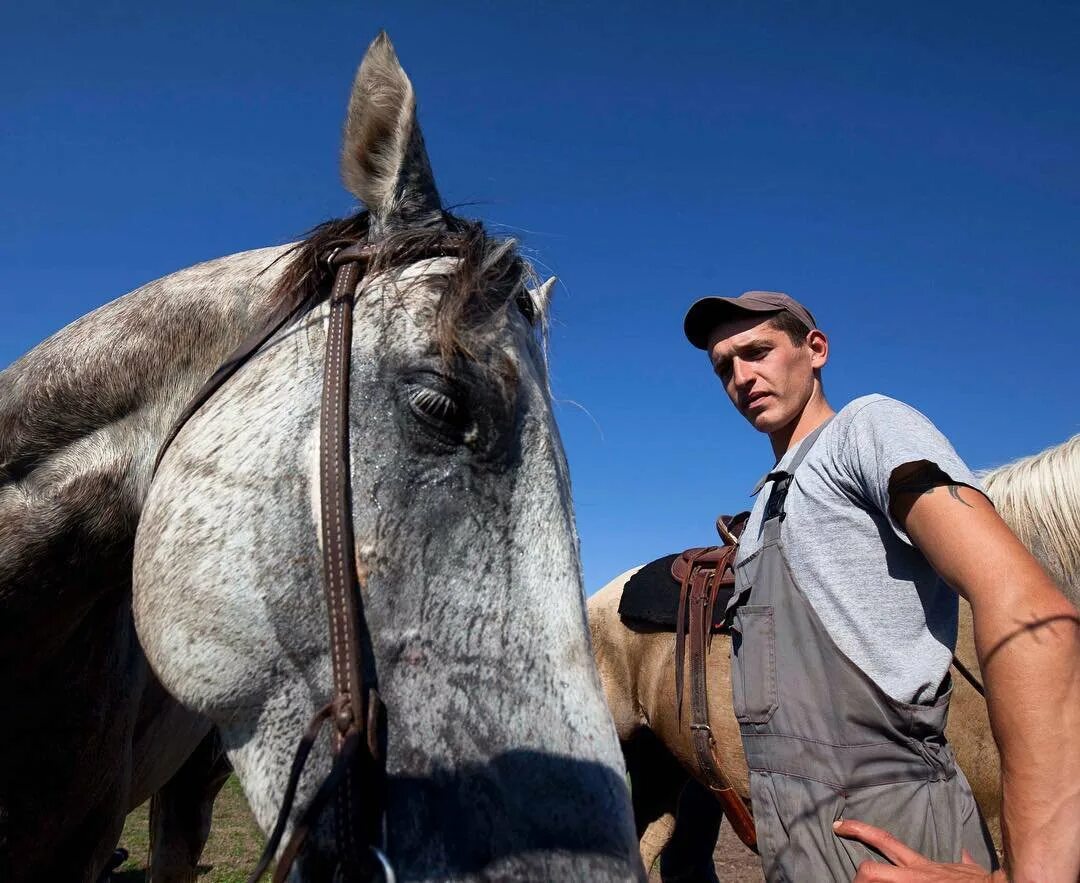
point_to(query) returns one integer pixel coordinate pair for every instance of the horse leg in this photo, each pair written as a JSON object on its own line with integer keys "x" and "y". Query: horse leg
{"x": 656, "y": 779}
{"x": 655, "y": 839}
{"x": 181, "y": 810}
{"x": 688, "y": 856}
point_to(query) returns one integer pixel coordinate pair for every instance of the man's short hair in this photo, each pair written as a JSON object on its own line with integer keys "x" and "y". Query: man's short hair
{"x": 794, "y": 328}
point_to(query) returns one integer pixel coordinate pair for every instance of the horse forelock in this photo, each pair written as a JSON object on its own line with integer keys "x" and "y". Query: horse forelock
{"x": 488, "y": 278}
{"x": 1039, "y": 498}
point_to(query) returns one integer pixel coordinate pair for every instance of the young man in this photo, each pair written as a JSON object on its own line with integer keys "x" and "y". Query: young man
{"x": 844, "y": 626}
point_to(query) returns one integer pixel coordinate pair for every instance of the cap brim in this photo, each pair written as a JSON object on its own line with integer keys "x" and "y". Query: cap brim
{"x": 705, "y": 314}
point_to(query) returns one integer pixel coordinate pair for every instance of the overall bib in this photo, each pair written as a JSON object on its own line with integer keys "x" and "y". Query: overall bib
{"x": 823, "y": 741}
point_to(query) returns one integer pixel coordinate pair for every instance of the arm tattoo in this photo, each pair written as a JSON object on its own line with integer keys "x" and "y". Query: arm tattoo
{"x": 925, "y": 480}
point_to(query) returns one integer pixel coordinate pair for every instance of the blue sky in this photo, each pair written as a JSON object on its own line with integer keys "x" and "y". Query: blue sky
{"x": 909, "y": 171}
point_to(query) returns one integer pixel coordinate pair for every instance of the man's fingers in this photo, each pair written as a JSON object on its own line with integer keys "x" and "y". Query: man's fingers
{"x": 876, "y": 872}
{"x": 896, "y": 851}
{"x": 966, "y": 859}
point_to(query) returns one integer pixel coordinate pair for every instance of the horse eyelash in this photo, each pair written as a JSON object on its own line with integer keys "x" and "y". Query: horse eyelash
{"x": 433, "y": 402}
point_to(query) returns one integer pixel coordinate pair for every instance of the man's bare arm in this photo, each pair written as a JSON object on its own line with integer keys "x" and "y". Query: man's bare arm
{"x": 1027, "y": 636}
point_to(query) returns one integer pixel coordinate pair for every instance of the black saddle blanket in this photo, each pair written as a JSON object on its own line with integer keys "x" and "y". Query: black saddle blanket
{"x": 650, "y": 599}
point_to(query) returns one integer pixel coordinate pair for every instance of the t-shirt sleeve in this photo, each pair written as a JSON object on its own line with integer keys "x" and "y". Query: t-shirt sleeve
{"x": 885, "y": 434}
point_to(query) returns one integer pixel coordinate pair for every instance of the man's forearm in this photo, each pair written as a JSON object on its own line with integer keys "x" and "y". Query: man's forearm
{"x": 1030, "y": 657}
{"x": 1027, "y": 635}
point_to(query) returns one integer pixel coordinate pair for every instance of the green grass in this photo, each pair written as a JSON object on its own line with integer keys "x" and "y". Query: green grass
{"x": 231, "y": 852}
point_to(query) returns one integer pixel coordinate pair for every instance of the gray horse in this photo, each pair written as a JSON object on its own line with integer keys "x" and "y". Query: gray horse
{"x": 502, "y": 758}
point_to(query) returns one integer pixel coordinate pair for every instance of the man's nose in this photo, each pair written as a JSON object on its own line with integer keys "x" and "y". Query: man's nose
{"x": 741, "y": 373}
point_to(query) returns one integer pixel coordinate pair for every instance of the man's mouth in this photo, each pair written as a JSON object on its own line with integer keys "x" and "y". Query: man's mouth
{"x": 755, "y": 399}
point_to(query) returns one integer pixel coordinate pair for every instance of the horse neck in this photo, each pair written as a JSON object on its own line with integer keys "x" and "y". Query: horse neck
{"x": 99, "y": 396}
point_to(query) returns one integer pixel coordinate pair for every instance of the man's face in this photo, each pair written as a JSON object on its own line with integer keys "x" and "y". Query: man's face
{"x": 767, "y": 377}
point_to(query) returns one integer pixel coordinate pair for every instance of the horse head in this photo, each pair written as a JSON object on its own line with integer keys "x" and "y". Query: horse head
{"x": 502, "y": 760}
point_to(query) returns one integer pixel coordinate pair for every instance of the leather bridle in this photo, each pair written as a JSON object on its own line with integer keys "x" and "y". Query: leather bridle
{"x": 357, "y": 779}
{"x": 358, "y": 734}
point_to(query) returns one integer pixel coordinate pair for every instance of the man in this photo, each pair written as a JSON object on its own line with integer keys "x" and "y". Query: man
{"x": 844, "y": 626}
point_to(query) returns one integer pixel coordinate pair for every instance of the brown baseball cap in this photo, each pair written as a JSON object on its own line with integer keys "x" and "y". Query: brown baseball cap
{"x": 709, "y": 312}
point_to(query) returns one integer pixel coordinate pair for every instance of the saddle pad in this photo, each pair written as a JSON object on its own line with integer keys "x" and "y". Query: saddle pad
{"x": 650, "y": 599}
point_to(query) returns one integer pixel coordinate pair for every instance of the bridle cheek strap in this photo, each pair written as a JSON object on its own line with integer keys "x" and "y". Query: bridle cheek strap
{"x": 359, "y": 715}
{"x": 356, "y": 710}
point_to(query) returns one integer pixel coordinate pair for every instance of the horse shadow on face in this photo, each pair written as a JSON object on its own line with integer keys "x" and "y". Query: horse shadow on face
{"x": 482, "y": 819}
{"x": 487, "y": 815}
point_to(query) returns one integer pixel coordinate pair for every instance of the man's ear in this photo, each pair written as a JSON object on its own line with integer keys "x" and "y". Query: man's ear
{"x": 819, "y": 348}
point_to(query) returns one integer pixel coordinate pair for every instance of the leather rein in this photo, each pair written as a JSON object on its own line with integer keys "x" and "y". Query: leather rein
{"x": 357, "y": 782}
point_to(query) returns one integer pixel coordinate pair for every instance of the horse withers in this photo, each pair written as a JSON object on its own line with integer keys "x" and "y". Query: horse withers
{"x": 502, "y": 761}
{"x": 1039, "y": 498}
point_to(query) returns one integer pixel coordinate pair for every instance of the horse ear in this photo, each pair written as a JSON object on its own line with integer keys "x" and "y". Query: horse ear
{"x": 383, "y": 160}
{"x": 541, "y": 295}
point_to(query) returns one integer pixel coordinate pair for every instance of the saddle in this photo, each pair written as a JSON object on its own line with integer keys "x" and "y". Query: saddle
{"x": 706, "y": 576}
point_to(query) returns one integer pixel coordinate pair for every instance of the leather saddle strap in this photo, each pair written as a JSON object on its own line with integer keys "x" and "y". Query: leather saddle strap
{"x": 703, "y": 591}
{"x": 680, "y": 637}
{"x": 359, "y": 822}
{"x": 697, "y": 564}
{"x": 693, "y": 571}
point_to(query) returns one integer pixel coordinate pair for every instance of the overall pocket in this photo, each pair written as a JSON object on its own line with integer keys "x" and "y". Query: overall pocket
{"x": 753, "y": 652}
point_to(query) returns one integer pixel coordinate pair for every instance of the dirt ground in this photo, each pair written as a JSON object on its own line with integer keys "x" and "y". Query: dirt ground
{"x": 734, "y": 862}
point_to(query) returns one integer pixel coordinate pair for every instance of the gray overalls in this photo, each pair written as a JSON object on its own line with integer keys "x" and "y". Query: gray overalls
{"x": 823, "y": 741}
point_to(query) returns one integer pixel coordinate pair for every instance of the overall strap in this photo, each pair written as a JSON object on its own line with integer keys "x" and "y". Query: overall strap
{"x": 781, "y": 478}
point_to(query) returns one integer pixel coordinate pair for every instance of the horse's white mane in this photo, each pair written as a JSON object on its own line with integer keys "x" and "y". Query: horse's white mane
{"x": 1039, "y": 497}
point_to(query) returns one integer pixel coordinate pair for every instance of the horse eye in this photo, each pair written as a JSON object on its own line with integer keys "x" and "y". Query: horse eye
{"x": 438, "y": 407}
{"x": 428, "y": 402}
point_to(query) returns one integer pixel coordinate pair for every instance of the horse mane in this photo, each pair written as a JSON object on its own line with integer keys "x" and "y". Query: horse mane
{"x": 490, "y": 276}
{"x": 1039, "y": 497}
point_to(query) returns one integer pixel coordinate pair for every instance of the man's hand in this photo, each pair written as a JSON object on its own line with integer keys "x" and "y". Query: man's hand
{"x": 908, "y": 866}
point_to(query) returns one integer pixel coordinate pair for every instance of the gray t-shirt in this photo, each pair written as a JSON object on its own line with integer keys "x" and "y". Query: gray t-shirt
{"x": 875, "y": 593}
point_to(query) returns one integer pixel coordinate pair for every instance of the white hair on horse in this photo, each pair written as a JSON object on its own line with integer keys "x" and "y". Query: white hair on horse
{"x": 1039, "y": 498}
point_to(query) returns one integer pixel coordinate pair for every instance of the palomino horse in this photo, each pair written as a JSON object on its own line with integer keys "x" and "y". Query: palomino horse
{"x": 501, "y": 756}
{"x": 1038, "y": 496}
